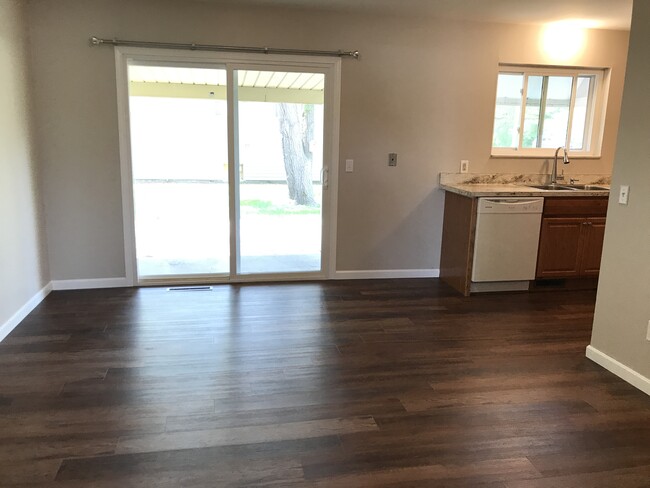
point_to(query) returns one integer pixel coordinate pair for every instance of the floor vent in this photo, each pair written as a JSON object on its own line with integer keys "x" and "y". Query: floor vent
{"x": 190, "y": 288}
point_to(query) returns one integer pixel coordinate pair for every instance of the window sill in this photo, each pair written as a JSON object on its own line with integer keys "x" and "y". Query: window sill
{"x": 549, "y": 156}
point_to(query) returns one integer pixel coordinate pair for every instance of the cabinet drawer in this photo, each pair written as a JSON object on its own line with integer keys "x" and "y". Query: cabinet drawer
{"x": 578, "y": 206}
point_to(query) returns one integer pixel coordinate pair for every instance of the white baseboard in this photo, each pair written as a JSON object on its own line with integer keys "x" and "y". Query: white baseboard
{"x": 386, "y": 273}
{"x": 87, "y": 284}
{"x": 17, "y": 318}
{"x": 619, "y": 369}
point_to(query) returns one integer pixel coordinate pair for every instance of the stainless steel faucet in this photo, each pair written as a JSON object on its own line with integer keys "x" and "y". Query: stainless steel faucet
{"x": 565, "y": 160}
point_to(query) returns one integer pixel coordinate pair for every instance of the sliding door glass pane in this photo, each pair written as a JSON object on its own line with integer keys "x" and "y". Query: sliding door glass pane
{"x": 582, "y": 112}
{"x": 556, "y": 114}
{"x": 280, "y": 163}
{"x": 532, "y": 115}
{"x": 508, "y": 110}
{"x": 179, "y": 149}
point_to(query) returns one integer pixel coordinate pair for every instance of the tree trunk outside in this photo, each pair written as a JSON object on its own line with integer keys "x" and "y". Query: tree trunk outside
{"x": 297, "y": 127}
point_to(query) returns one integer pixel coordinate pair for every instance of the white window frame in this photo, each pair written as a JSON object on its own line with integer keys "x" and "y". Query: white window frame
{"x": 232, "y": 62}
{"x": 595, "y": 124}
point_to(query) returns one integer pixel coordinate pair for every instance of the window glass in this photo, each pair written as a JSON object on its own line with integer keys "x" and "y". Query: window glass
{"x": 533, "y": 106}
{"x": 508, "y": 110}
{"x": 556, "y": 113}
{"x": 581, "y": 112}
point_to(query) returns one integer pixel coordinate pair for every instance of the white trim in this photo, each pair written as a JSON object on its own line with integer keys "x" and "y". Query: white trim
{"x": 386, "y": 273}
{"x": 226, "y": 279}
{"x": 619, "y": 369}
{"x": 331, "y": 162}
{"x": 22, "y": 312}
{"x": 126, "y": 180}
{"x": 91, "y": 283}
{"x": 594, "y": 126}
{"x": 234, "y": 189}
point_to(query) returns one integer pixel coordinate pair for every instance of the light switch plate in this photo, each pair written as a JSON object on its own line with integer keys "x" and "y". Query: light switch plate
{"x": 349, "y": 165}
{"x": 392, "y": 159}
{"x": 624, "y": 194}
{"x": 464, "y": 166}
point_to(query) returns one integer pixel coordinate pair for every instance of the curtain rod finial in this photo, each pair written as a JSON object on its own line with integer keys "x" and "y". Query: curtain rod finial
{"x": 95, "y": 41}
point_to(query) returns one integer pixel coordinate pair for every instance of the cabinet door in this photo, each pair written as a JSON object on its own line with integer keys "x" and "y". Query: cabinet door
{"x": 594, "y": 233}
{"x": 560, "y": 247}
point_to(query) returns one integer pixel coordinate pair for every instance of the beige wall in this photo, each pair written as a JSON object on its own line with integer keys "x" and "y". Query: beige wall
{"x": 23, "y": 267}
{"x": 623, "y": 303}
{"x": 423, "y": 88}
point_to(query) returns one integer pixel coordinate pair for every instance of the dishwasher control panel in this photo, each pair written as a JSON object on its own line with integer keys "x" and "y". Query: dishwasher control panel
{"x": 510, "y": 205}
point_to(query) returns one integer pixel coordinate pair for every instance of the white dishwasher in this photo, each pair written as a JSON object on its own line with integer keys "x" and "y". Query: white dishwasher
{"x": 505, "y": 247}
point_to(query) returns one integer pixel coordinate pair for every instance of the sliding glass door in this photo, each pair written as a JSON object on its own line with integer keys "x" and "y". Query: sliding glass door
{"x": 280, "y": 127}
{"x": 228, "y": 169}
{"x": 179, "y": 157}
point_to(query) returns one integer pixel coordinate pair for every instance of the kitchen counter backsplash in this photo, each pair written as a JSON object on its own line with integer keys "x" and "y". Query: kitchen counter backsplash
{"x": 517, "y": 179}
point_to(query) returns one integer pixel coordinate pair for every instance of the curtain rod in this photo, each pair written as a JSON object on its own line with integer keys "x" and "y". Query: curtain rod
{"x": 96, "y": 41}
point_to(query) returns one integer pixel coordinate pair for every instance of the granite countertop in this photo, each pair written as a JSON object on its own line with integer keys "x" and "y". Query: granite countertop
{"x": 509, "y": 185}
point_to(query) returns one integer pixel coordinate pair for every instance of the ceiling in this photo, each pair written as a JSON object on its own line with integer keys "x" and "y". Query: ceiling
{"x": 604, "y": 14}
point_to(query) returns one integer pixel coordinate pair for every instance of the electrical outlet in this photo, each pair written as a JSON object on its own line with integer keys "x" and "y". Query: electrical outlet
{"x": 647, "y": 337}
{"x": 624, "y": 194}
{"x": 464, "y": 166}
{"x": 392, "y": 159}
{"x": 349, "y": 165}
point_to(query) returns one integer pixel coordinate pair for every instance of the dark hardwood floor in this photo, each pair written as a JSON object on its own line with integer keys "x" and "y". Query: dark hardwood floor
{"x": 399, "y": 383}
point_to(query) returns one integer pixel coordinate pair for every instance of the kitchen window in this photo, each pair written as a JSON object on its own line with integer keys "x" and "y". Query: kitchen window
{"x": 539, "y": 109}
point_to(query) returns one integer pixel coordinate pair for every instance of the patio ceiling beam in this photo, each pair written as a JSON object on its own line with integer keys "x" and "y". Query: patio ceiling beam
{"x": 218, "y": 92}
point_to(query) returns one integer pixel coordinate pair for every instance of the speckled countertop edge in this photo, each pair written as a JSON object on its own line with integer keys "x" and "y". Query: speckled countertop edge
{"x": 511, "y": 184}
{"x": 513, "y": 190}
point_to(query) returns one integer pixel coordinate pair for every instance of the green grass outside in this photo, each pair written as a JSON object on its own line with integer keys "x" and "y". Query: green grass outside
{"x": 266, "y": 207}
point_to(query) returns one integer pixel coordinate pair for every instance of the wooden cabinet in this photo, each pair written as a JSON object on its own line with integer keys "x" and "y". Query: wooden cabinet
{"x": 559, "y": 248}
{"x": 592, "y": 250}
{"x": 458, "y": 230}
{"x": 571, "y": 238}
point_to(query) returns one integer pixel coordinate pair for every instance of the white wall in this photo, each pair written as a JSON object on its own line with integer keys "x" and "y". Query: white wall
{"x": 23, "y": 266}
{"x": 623, "y": 303}
{"x": 423, "y": 88}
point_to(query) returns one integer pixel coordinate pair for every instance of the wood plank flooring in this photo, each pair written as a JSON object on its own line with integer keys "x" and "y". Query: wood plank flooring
{"x": 383, "y": 383}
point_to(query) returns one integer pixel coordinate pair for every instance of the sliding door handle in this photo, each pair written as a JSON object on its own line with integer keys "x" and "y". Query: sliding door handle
{"x": 325, "y": 177}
